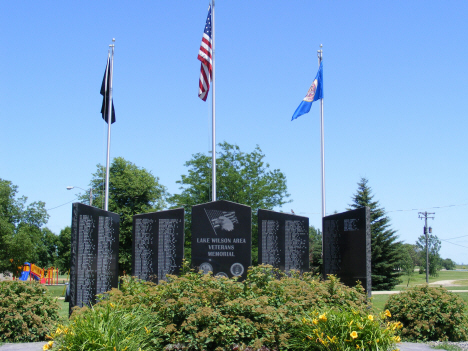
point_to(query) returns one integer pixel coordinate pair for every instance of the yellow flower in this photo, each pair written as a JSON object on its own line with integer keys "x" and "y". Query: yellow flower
{"x": 387, "y": 313}
{"x": 357, "y": 346}
{"x": 48, "y": 345}
{"x": 371, "y": 317}
{"x": 323, "y": 317}
{"x": 349, "y": 324}
{"x": 315, "y": 321}
{"x": 147, "y": 330}
{"x": 112, "y": 305}
{"x": 397, "y": 338}
{"x": 353, "y": 334}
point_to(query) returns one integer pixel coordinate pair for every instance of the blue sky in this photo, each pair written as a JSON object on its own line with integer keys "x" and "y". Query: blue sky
{"x": 395, "y": 104}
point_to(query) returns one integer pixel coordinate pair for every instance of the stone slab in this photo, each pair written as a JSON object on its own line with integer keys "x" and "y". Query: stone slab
{"x": 158, "y": 244}
{"x": 222, "y": 238}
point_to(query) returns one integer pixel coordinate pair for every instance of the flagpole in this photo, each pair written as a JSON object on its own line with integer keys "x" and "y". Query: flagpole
{"x": 322, "y": 146}
{"x": 213, "y": 137}
{"x": 109, "y": 122}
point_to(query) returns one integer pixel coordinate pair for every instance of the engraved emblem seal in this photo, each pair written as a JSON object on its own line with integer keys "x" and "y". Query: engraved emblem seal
{"x": 237, "y": 269}
{"x": 206, "y": 267}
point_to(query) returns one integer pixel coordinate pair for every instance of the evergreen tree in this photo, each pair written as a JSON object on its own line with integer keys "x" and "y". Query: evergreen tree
{"x": 385, "y": 247}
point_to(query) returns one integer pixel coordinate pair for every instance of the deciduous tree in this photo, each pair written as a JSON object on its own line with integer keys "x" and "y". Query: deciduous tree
{"x": 434, "y": 256}
{"x": 241, "y": 177}
{"x": 315, "y": 249}
{"x": 20, "y": 228}
{"x": 63, "y": 249}
{"x": 132, "y": 190}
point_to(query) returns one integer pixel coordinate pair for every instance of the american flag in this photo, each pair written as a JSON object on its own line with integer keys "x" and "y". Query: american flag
{"x": 204, "y": 55}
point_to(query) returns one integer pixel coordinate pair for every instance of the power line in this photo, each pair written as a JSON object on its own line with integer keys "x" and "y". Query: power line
{"x": 453, "y": 243}
{"x": 53, "y": 208}
{"x": 407, "y": 210}
{"x": 456, "y": 237}
{"x": 427, "y": 208}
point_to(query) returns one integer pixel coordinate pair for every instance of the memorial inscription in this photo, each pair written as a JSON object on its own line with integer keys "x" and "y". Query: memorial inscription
{"x": 222, "y": 238}
{"x": 93, "y": 255}
{"x": 283, "y": 240}
{"x": 347, "y": 247}
{"x": 158, "y": 244}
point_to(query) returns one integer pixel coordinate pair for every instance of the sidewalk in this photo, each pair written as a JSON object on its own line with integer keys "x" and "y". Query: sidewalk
{"x": 28, "y": 346}
{"x": 37, "y": 346}
{"x": 410, "y": 346}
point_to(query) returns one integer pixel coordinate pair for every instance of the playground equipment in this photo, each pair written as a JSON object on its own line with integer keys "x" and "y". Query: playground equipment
{"x": 32, "y": 271}
{"x": 26, "y": 270}
{"x": 52, "y": 275}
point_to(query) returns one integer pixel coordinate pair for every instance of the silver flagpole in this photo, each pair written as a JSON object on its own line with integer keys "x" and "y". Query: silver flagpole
{"x": 322, "y": 147}
{"x": 213, "y": 146}
{"x": 109, "y": 122}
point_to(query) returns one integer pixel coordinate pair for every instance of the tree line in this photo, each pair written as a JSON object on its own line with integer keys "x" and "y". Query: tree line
{"x": 242, "y": 177}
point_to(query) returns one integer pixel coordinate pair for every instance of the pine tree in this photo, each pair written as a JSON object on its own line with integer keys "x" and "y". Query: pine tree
{"x": 386, "y": 249}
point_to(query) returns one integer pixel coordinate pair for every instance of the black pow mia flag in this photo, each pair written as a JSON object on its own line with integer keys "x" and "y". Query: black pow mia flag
{"x": 105, "y": 92}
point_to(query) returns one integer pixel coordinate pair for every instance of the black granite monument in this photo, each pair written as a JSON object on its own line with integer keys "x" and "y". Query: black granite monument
{"x": 283, "y": 240}
{"x": 158, "y": 244}
{"x": 347, "y": 247}
{"x": 94, "y": 254}
{"x": 222, "y": 238}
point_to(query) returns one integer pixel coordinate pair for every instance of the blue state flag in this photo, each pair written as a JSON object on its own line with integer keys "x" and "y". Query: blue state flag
{"x": 315, "y": 93}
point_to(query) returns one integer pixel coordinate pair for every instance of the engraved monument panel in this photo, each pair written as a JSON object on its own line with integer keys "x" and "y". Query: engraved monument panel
{"x": 222, "y": 238}
{"x": 93, "y": 254}
{"x": 283, "y": 240}
{"x": 347, "y": 247}
{"x": 158, "y": 244}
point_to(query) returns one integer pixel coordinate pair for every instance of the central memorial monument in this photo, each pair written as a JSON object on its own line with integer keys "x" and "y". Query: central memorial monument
{"x": 94, "y": 254}
{"x": 222, "y": 238}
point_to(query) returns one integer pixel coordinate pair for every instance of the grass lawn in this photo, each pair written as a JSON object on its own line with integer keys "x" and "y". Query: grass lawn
{"x": 378, "y": 302}
{"x": 416, "y": 279}
{"x": 63, "y": 312}
{"x": 58, "y": 291}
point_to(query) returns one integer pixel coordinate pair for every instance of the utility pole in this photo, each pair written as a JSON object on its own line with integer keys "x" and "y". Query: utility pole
{"x": 425, "y": 215}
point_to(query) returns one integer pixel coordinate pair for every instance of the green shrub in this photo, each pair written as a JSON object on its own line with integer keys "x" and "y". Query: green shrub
{"x": 344, "y": 330}
{"x": 202, "y": 312}
{"x": 27, "y": 311}
{"x": 429, "y": 314}
{"x": 108, "y": 327}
